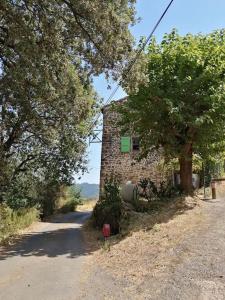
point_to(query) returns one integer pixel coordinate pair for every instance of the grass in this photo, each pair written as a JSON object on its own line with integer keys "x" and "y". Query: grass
{"x": 149, "y": 219}
{"x": 87, "y": 205}
{"x": 12, "y": 221}
{"x": 146, "y": 242}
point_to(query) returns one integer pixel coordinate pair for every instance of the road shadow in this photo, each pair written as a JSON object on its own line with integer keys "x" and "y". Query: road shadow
{"x": 72, "y": 243}
{"x": 163, "y": 211}
{"x": 152, "y": 214}
{"x": 57, "y": 242}
{"x": 77, "y": 217}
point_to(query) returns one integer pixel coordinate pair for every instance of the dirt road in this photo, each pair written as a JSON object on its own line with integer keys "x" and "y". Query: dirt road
{"x": 46, "y": 263}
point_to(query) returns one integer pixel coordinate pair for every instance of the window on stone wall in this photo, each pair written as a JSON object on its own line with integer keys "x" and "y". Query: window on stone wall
{"x": 135, "y": 143}
{"x": 125, "y": 143}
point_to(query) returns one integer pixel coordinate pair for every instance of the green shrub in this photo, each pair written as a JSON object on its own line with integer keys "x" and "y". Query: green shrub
{"x": 69, "y": 206}
{"x": 69, "y": 199}
{"x": 11, "y": 221}
{"x": 48, "y": 198}
{"x": 59, "y": 198}
{"x": 22, "y": 193}
{"x": 107, "y": 213}
{"x": 109, "y": 208}
{"x": 150, "y": 191}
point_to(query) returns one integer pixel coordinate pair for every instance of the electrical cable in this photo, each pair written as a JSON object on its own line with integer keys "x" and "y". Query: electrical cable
{"x": 131, "y": 64}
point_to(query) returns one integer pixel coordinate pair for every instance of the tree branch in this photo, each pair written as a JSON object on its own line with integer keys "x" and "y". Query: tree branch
{"x": 15, "y": 133}
{"x": 77, "y": 16}
{"x": 19, "y": 169}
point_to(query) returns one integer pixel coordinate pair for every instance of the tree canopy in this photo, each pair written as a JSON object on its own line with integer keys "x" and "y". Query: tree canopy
{"x": 49, "y": 51}
{"x": 182, "y": 107}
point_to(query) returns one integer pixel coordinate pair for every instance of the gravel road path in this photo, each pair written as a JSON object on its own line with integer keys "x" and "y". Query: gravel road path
{"x": 198, "y": 267}
{"x": 46, "y": 263}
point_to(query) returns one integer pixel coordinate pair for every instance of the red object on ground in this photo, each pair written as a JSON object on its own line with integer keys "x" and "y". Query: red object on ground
{"x": 106, "y": 230}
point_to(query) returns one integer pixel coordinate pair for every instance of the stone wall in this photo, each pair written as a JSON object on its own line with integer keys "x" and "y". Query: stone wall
{"x": 124, "y": 165}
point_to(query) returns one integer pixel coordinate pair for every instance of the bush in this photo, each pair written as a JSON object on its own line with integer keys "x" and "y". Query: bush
{"x": 59, "y": 198}
{"x": 70, "y": 198}
{"x": 22, "y": 193}
{"x": 109, "y": 208}
{"x": 69, "y": 206}
{"x": 11, "y": 221}
{"x": 150, "y": 191}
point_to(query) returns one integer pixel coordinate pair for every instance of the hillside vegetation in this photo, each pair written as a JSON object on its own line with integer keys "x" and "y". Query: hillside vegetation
{"x": 88, "y": 190}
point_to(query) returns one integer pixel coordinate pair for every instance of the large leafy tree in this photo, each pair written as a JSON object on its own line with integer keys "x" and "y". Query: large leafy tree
{"x": 182, "y": 107}
{"x": 49, "y": 51}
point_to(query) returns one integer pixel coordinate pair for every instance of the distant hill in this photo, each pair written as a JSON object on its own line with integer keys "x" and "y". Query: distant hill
{"x": 89, "y": 190}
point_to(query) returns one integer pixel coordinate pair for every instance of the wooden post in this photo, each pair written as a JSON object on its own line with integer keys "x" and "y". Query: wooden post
{"x": 213, "y": 186}
{"x": 203, "y": 167}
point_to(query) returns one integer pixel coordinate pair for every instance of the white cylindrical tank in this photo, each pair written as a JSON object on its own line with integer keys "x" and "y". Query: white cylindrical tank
{"x": 128, "y": 191}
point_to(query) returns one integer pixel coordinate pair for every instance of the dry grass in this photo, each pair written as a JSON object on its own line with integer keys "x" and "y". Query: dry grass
{"x": 87, "y": 205}
{"x": 149, "y": 239}
{"x": 12, "y": 223}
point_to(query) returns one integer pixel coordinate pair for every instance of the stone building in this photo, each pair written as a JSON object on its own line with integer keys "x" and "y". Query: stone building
{"x": 119, "y": 153}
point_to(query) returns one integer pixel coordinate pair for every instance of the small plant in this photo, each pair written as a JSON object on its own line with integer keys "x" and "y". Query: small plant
{"x": 69, "y": 206}
{"x": 106, "y": 246}
{"x": 143, "y": 184}
{"x": 112, "y": 189}
{"x": 109, "y": 208}
{"x": 150, "y": 191}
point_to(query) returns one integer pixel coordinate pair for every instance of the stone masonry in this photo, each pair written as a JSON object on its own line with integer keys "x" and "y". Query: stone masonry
{"x": 123, "y": 165}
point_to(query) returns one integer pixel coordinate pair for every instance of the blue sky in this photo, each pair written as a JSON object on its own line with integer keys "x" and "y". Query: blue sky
{"x": 187, "y": 16}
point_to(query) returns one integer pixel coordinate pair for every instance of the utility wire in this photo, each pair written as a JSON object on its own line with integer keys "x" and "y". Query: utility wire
{"x": 131, "y": 64}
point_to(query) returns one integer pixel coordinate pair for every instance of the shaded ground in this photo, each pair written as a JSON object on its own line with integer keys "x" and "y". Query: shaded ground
{"x": 181, "y": 258}
{"x": 45, "y": 263}
{"x": 177, "y": 254}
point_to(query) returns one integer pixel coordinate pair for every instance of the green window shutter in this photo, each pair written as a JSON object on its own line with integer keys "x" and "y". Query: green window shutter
{"x": 125, "y": 143}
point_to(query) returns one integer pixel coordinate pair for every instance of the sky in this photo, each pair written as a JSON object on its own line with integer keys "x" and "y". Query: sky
{"x": 188, "y": 16}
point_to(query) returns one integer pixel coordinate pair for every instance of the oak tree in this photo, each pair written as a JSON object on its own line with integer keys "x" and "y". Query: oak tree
{"x": 49, "y": 52}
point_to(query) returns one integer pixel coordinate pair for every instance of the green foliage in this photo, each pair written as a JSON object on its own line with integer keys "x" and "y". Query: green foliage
{"x": 74, "y": 192}
{"x": 150, "y": 191}
{"x": 50, "y": 51}
{"x": 182, "y": 107}
{"x": 69, "y": 206}
{"x": 184, "y": 99}
{"x": 11, "y": 221}
{"x": 48, "y": 198}
{"x": 108, "y": 209}
{"x": 212, "y": 169}
{"x": 106, "y": 246}
{"x": 112, "y": 189}
{"x": 23, "y": 193}
{"x": 72, "y": 199}
{"x": 56, "y": 198}
{"x": 148, "y": 188}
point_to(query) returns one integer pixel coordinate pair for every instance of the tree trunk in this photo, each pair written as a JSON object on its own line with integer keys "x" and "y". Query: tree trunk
{"x": 186, "y": 169}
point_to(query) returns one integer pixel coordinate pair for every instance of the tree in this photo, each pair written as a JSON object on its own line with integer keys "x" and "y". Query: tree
{"x": 49, "y": 51}
{"x": 182, "y": 107}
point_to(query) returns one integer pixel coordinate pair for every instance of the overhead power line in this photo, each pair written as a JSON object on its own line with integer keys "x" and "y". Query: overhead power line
{"x": 133, "y": 61}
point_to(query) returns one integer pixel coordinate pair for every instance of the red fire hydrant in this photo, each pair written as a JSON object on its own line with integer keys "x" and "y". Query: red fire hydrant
{"x": 106, "y": 230}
